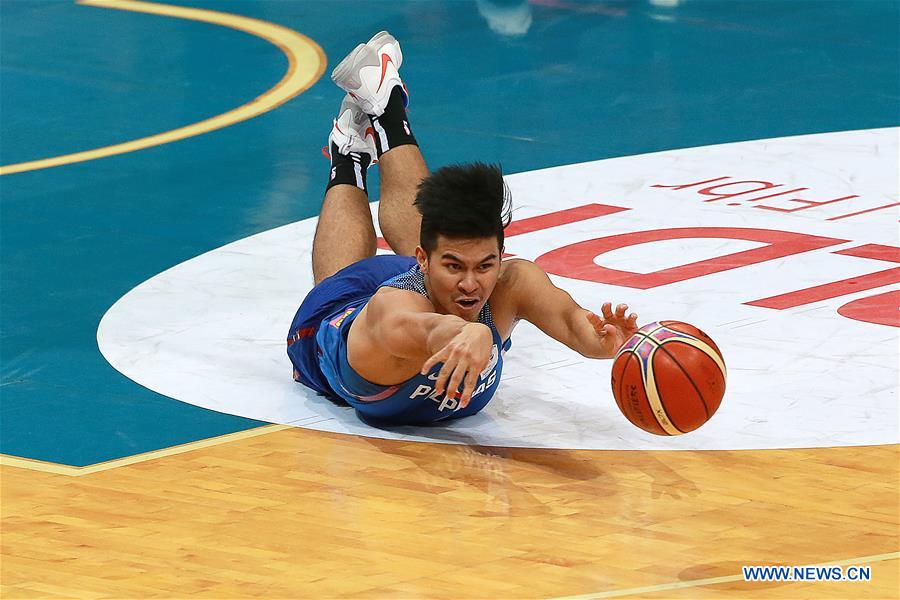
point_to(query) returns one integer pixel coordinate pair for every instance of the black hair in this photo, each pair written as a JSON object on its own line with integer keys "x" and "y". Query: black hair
{"x": 463, "y": 201}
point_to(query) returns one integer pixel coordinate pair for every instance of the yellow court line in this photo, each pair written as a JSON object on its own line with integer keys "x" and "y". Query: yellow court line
{"x": 306, "y": 63}
{"x": 859, "y": 560}
{"x": 58, "y": 469}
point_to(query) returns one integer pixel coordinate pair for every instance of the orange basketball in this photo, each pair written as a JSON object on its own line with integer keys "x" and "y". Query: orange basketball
{"x": 668, "y": 378}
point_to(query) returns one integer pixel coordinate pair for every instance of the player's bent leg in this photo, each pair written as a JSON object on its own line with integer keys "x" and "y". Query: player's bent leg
{"x": 402, "y": 169}
{"x": 370, "y": 74}
{"x": 345, "y": 233}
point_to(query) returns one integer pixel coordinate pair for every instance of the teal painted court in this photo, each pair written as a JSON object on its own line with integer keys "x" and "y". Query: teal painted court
{"x": 526, "y": 84}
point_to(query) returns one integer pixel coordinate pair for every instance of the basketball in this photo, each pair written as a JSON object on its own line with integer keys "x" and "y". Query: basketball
{"x": 668, "y": 378}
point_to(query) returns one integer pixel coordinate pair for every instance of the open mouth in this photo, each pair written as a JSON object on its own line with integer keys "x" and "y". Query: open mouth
{"x": 467, "y": 304}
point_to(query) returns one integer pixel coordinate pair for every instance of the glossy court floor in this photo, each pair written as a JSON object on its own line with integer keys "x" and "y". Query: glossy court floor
{"x": 137, "y": 136}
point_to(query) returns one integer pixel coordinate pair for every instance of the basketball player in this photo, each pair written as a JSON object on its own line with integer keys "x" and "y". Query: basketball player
{"x": 420, "y": 336}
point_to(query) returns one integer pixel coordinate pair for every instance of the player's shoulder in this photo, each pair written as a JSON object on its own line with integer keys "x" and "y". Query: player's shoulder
{"x": 516, "y": 271}
{"x": 388, "y": 300}
{"x": 517, "y": 265}
{"x": 511, "y": 292}
{"x": 513, "y": 282}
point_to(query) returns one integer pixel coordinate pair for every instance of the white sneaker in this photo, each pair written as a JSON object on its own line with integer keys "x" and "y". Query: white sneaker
{"x": 370, "y": 72}
{"x": 384, "y": 43}
{"x": 352, "y": 131}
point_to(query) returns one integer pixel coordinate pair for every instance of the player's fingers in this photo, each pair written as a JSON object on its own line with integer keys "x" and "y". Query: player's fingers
{"x": 597, "y": 323}
{"x": 435, "y": 359}
{"x": 632, "y": 319}
{"x": 620, "y": 310}
{"x": 455, "y": 380}
{"x": 606, "y": 309}
{"x": 471, "y": 382}
{"x": 444, "y": 374}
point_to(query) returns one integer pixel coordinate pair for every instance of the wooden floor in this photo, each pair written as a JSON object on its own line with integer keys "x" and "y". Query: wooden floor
{"x": 298, "y": 513}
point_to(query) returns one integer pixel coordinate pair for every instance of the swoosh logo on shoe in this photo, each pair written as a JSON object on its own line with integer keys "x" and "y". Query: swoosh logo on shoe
{"x": 385, "y": 59}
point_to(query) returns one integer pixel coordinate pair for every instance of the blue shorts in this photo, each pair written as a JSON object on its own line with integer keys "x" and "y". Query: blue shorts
{"x": 350, "y": 286}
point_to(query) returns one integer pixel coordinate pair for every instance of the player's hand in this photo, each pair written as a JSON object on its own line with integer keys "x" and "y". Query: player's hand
{"x": 464, "y": 357}
{"x": 613, "y": 328}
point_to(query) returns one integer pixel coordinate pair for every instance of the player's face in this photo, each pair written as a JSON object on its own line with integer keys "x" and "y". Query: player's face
{"x": 460, "y": 274}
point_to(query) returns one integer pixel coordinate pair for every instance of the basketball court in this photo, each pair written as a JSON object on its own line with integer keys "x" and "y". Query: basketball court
{"x": 733, "y": 165}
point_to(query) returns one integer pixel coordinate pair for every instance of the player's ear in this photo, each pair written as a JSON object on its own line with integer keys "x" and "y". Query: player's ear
{"x": 422, "y": 259}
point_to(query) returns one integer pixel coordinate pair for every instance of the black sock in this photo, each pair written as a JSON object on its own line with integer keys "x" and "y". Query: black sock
{"x": 392, "y": 128}
{"x": 348, "y": 168}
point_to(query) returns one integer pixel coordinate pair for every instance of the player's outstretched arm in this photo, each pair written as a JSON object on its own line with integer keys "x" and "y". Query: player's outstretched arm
{"x": 407, "y": 327}
{"x": 553, "y": 311}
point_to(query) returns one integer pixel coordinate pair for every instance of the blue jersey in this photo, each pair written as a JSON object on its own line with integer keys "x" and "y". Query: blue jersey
{"x": 317, "y": 346}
